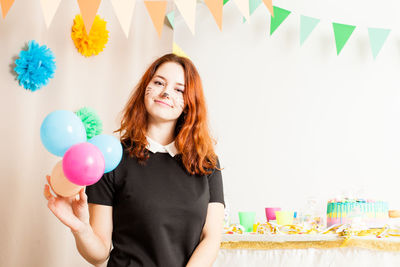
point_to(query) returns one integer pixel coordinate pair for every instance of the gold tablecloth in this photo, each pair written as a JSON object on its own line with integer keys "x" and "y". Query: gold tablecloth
{"x": 374, "y": 243}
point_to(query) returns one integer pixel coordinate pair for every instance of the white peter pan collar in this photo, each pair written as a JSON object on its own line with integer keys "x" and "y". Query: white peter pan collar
{"x": 155, "y": 147}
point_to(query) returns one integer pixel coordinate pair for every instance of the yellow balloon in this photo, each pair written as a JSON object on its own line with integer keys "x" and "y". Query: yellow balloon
{"x": 60, "y": 184}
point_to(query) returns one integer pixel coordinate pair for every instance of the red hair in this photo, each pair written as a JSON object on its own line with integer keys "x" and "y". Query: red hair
{"x": 192, "y": 135}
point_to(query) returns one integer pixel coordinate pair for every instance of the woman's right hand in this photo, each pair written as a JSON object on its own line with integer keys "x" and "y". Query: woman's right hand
{"x": 71, "y": 211}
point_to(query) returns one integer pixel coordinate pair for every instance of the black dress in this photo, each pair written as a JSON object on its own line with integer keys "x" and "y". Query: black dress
{"x": 159, "y": 210}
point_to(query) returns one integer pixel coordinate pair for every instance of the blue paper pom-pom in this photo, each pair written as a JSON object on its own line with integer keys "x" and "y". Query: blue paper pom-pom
{"x": 35, "y": 66}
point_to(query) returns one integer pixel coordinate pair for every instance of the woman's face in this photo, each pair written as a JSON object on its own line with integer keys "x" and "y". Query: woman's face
{"x": 164, "y": 94}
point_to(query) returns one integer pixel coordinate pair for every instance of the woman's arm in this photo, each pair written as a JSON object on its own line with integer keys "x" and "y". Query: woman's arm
{"x": 90, "y": 224}
{"x": 94, "y": 241}
{"x": 210, "y": 240}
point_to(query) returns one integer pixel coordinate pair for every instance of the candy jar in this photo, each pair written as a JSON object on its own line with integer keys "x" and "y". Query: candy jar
{"x": 227, "y": 214}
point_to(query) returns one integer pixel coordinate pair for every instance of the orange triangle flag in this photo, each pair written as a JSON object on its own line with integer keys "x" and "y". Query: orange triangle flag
{"x": 215, "y": 7}
{"x": 268, "y": 4}
{"x": 157, "y": 11}
{"x": 88, "y": 10}
{"x": 5, "y": 6}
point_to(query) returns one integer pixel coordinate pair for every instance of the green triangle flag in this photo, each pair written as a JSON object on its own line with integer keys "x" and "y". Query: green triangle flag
{"x": 377, "y": 38}
{"x": 171, "y": 17}
{"x": 253, "y": 4}
{"x": 225, "y": 1}
{"x": 307, "y": 25}
{"x": 280, "y": 15}
{"x": 342, "y": 34}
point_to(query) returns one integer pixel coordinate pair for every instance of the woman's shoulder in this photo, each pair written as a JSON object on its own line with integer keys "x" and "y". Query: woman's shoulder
{"x": 126, "y": 143}
{"x": 128, "y": 147}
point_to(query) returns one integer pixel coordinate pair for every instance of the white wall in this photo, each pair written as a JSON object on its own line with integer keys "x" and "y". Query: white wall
{"x": 29, "y": 234}
{"x": 298, "y": 122}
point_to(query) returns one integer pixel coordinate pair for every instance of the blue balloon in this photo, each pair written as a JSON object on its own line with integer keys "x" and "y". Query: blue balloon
{"x": 60, "y": 130}
{"x": 110, "y": 147}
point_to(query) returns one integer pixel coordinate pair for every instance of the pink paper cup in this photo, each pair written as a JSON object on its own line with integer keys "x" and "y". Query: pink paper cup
{"x": 270, "y": 213}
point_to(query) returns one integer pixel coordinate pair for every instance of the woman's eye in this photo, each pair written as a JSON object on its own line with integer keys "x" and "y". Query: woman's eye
{"x": 179, "y": 90}
{"x": 158, "y": 83}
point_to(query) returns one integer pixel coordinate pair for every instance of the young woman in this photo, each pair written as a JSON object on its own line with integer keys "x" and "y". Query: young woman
{"x": 163, "y": 205}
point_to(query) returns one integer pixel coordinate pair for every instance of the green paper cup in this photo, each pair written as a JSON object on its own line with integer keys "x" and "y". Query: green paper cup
{"x": 284, "y": 217}
{"x": 247, "y": 219}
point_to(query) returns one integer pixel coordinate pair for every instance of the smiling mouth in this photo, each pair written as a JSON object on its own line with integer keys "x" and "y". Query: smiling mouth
{"x": 163, "y": 103}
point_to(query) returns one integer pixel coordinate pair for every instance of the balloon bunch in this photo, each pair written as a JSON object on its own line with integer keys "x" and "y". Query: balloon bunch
{"x": 83, "y": 161}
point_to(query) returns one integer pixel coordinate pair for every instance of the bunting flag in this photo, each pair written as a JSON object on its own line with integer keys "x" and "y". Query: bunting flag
{"x": 307, "y": 25}
{"x": 342, "y": 34}
{"x": 156, "y": 10}
{"x": 243, "y": 6}
{"x": 215, "y": 7}
{"x": 178, "y": 51}
{"x": 268, "y": 4}
{"x": 280, "y": 15}
{"x": 171, "y": 18}
{"x": 88, "y": 11}
{"x": 377, "y": 37}
{"x": 5, "y": 6}
{"x": 49, "y": 8}
{"x": 124, "y": 10}
{"x": 253, "y": 4}
{"x": 187, "y": 8}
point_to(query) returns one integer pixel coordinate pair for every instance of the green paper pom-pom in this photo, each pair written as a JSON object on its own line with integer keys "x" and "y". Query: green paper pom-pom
{"x": 91, "y": 121}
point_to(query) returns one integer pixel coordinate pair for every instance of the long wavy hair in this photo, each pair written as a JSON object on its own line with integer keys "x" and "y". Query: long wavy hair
{"x": 192, "y": 135}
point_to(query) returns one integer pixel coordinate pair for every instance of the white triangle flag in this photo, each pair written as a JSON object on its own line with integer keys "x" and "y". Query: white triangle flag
{"x": 49, "y": 8}
{"x": 124, "y": 11}
{"x": 244, "y": 7}
{"x": 187, "y": 8}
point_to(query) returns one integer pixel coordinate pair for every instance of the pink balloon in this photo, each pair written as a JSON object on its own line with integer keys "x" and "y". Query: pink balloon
{"x": 83, "y": 164}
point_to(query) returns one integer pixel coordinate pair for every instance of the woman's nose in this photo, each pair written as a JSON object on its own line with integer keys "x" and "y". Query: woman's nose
{"x": 166, "y": 91}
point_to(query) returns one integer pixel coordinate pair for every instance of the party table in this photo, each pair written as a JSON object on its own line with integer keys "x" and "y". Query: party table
{"x": 307, "y": 250}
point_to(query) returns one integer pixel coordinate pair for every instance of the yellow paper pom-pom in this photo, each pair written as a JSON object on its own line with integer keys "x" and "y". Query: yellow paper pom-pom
{"x": 97, "y": 39}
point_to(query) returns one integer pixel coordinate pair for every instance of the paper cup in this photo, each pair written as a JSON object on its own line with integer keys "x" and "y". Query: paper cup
{"x": 284, "y": 217}
{"x": 270, "y": 213}
{"x": 247, "y": 219}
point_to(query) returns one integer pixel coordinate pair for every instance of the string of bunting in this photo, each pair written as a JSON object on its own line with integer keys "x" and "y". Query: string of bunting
{"x": 187, "y": 8}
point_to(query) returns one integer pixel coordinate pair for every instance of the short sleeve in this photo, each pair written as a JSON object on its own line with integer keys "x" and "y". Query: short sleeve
{"x": 103, "y": 191}
{"x": 216, "y": 185}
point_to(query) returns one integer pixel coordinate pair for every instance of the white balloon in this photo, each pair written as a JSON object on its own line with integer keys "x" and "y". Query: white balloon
{"x": 60, "y": 184}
